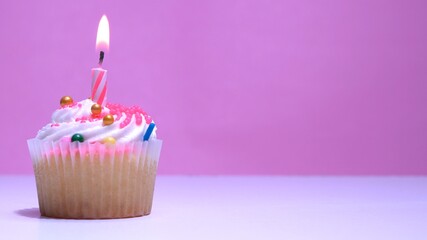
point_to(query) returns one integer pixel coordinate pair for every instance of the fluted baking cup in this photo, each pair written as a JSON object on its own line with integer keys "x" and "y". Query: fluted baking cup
{"x": 94, "y": 180}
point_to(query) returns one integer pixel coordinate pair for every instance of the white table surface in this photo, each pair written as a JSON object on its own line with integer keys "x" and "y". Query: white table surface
{"x": 240, "y": 208}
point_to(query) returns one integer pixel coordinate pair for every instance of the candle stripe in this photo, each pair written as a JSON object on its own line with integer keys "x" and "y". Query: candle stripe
{"x": 99, "y": 86}
{"x": 99, "y": 89}
{"x": 91, "y": 87}
{"x": 101, "y": 99}
{"x": 97, "y": 82}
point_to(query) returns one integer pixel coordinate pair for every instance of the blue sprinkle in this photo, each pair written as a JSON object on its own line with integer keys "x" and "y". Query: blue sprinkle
{"x": 149, "y": 131}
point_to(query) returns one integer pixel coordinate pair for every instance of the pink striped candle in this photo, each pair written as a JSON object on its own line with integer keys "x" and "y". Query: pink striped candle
{"x": 99, "y": 75}
{"x": 99, "y": 86}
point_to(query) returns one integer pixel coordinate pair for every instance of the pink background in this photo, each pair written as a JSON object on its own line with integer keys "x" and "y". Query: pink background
{"x": 236, "y": 87}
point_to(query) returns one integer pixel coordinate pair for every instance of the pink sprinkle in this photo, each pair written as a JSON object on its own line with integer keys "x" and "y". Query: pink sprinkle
{"x": 119, "y": 115}
{"x": 148, "y": 119}
{"x": 119, "y": 110}
{"x": 69, "y": 106}
{"x": 138, "y": 119}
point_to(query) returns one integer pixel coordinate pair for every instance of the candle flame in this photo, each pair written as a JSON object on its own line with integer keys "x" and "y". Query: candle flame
{"x": 103, "y": 35}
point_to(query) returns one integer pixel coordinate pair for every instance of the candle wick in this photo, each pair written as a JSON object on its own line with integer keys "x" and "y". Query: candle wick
{"x": 101, "y": 57}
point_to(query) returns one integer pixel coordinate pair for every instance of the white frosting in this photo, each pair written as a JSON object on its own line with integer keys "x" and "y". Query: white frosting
{"x": 65, "y": 123}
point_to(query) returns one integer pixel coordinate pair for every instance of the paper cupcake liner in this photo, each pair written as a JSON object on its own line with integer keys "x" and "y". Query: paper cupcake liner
{"x": 94, "y": 180}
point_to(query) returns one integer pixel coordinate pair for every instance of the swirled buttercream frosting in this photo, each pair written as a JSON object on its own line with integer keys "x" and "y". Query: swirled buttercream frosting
{"x": 130, "y": 123}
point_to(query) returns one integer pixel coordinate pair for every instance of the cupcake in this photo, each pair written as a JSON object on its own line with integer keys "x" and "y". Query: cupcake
{"x": 95, "y": 162}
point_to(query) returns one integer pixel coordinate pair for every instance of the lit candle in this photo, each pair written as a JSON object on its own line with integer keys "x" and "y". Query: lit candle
{"x": 99, "y": 75}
